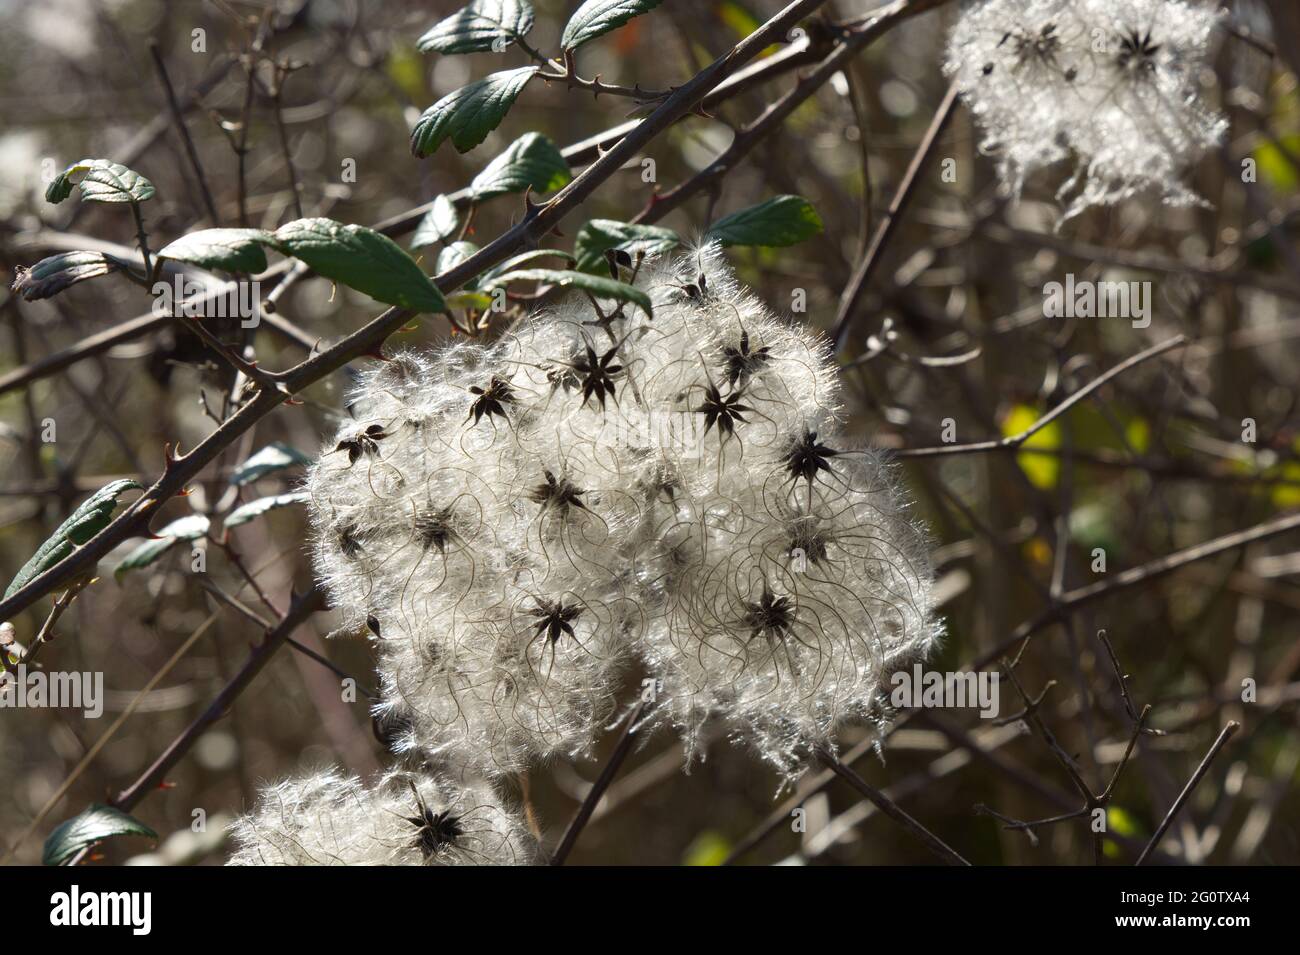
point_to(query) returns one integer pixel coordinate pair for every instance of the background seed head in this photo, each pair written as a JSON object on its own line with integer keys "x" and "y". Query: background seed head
{"x": 327, "y": 818}
{"x": 1112, "y": 87}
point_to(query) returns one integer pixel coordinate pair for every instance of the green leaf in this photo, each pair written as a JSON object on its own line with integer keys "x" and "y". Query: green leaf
{"x": 360, "y": 258}
{"x": 600, "y": 235}
{"x": 782, "y": 220}
{"x": 235, "y": 250}
{"x": 52, "y": 275}
{"x": 86, "y": 521}
{"x": 406, "y": 69}
{"x": 144, "y": 555}
{"x": 273, "y": 457}
{"x": 483, "y": 25}
{"x": 597, "y": 17}
{"x": 453, "y": 255}
{"x": 515, "y": 261}
{"x": 440, "y": 222}
{"x": 82, "y": 831}
{"x": 708, "y": 848}
{"x": 104, "y": 181}
{"x": 531, "y": 160}
{"x": 1287, "y": 495}
{"x": 467, "y": 115}
{"x": 596, "y": 285}
{"x": 475, "y": 300}
{"x": 1275, "y": 166}
{"x": 1041, "y": 469}
{"x": 1092, "y": 524}
{"x": 246, "y": 512}
{"x": 187, "y": 528}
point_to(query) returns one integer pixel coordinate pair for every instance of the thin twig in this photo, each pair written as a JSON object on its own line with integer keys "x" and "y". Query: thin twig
{"x": 1224, "y": 735}
{"x": 885, "y": 230}
{"x": 249, "y": 613}
{"x": 47, "y": 629}
{"x": 142, "y": 238}
{"x": 892, "y": 810}
{"x": 607, "y": 774}
{"x": 1012, "y": 442}
{"x": 245, "y": 115}
{"x": 301, "y": 608}
{"x": 179, "y": 119}
{"x": 277, "y": 92}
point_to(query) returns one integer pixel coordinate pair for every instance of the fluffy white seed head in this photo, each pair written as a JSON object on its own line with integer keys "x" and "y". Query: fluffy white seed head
{"x": 327, "y": 818}
{"x": 795, "y": 601}
{"x": 1111, "y": 86}
{"x": 598, "y": 491}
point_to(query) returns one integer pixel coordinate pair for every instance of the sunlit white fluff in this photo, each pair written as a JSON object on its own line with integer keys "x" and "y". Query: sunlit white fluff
{"x": 327, "y": 818}
{"x": 664, "y": 514}
{"x": 1111, "y": 89}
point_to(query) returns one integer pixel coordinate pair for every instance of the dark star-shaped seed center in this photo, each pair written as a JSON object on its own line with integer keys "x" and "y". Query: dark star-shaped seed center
{"x": 554, "y": 619}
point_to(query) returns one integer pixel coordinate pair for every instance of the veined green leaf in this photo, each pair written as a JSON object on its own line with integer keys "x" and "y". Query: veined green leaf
{"x": 103, "y": 181}
{"x": 596, "y": 285}
{"x": 273, "y": 457}
{"x": 468, "y": 114}
{"x": 439, "y": 223}
{"x": 453, "y": 255}
{"x": 52, "y": 275}
{"x": 597, "y": 17}
{"x": 246, "y": 512}
{"x": 360, "y": 258}
{"x": 600, "y": 235}
{"x": 93, "y": 825}
{"x": 482, "y": 25}
{"x": 235, "y": 250}
{"x": 144, "y": 555}
{"x": 86, "y": 521}
{"x": 531, "y": 160}
{"x": 782, "y": 220}
{"x": 187, "y": 528}
{"x": 515, "y": 261}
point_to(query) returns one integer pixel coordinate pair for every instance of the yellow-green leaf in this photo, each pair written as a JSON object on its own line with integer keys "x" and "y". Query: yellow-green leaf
{"x": 708, "y": 848}
{"x": 1043, "y": 470}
